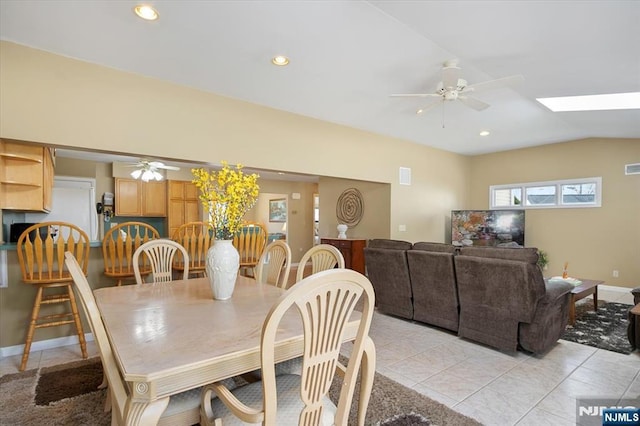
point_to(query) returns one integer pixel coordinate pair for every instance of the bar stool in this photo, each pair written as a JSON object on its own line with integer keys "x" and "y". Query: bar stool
{"x": 119, "y": 244}
{"x": 196, "y": 238}
{"x": 41, "y": 249}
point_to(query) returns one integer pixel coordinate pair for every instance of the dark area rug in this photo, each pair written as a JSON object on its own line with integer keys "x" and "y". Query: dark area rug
{"x": 68, "y": 380}
{"x": 604, "y": 329}
{"x": 391, "y": 404}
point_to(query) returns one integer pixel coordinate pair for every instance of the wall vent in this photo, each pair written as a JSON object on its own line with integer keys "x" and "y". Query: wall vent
{"x": 405, "y": 176}
{"x": 632, "y": 169}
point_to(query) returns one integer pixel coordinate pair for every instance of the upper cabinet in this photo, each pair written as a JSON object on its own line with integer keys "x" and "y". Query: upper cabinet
{"x": 183, "y": 204}
{"x": 26, "y": 176}
{"x": 137, "y": 198}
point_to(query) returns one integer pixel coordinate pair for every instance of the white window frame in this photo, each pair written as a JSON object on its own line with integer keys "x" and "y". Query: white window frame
{"x": 558, "y": 204}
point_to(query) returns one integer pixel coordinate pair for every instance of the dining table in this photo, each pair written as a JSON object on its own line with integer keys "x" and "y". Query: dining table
{"x": 171, "y": 337}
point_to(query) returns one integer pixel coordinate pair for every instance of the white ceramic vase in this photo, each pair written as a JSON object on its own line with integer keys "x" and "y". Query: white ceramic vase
{"x": 223, "y": 262}
{"x": 342, "y": 231}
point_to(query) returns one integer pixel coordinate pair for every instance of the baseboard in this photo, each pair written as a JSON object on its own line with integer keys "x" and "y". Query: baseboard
{"x": 614, "y": 288}
{"x": 42, "y": 345}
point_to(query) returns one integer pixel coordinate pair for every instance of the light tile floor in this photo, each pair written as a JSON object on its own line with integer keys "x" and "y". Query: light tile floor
{"x": 493, "y": 387}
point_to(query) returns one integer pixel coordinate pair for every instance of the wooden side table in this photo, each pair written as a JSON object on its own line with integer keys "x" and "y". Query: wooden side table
{"x": 581, "y": 291}
{"x": 352, "y": 250}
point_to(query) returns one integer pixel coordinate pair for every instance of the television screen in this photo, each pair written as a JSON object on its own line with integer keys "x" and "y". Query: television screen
{"x": 494, "y": 228}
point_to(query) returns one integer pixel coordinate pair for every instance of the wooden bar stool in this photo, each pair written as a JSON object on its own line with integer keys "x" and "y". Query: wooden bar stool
{"x": 250, "y": 242}
{"x": 41, "y": 249}
{"x": 119, "y": 244}
{"x": 196, "y": 238}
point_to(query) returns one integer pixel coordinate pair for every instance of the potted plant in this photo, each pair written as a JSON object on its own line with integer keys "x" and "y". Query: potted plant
{"x": 543, "y": 259}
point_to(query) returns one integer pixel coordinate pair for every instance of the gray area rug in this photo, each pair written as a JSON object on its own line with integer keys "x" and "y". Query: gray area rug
{"x": 26, "y": 400}
{"x": 604, "y": 329}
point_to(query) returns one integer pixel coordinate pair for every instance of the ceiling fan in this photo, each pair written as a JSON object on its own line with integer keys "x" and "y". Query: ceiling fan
{"x": 147, "y": 170}
{"x": 454, "y": 88}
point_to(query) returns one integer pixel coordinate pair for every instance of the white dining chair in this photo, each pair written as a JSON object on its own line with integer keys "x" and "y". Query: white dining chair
{"x": 274, "y": 265}
{"x": 325, "y": 302}
{"x": 160, "y": 254}
{"x": 322, "y": 257}
{"x": 182, "y": 409}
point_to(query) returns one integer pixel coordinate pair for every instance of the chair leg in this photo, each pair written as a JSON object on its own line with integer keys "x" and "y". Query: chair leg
{"x": 32, "y": 326}
{"x": 76, "y": 319}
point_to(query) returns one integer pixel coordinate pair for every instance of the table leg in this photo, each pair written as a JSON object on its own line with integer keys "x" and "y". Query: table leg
{"x": 145, "y": 414}
{"x": 595, "y": 299}
{"x": 572, "y": 309}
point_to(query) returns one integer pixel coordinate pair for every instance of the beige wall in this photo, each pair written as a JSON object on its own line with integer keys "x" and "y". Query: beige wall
{"x": 594, "y": 241}
{"x": 55, "y": 100}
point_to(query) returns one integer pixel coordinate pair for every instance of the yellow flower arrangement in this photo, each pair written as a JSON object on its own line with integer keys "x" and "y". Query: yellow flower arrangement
{"x": 227, "y": 195}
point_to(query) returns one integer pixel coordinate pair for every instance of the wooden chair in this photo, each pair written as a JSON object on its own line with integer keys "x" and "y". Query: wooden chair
{"x": 196, "y": 238}
{"x": 160, "y": 254}
{"x": 293, "y": 399}
{"x": 274, "y": 265}
{"x": 119, "y": 244}
{"x": 41, "y": 249}
{"x": 250, "y": 242}
{"x": 182, "y": 409}
{"x": 323, "y": 257}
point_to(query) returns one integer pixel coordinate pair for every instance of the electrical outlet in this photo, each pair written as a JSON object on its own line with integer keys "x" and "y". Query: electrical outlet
{"x": 615, "y": 273}
{"x": 402, "y": 228}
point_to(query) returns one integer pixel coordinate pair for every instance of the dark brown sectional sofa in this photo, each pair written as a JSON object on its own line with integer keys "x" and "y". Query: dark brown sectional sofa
{"x": 493, "y": 296}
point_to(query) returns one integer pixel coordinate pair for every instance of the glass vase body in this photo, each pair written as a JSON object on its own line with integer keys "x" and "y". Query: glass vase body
{"x": 223, "y": 262}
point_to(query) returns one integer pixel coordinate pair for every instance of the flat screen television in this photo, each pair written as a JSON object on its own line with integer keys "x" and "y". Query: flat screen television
{"x": 492, "y": 228}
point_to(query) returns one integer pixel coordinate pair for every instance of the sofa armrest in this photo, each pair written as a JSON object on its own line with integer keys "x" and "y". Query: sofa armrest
{"x": 556, "y": 290}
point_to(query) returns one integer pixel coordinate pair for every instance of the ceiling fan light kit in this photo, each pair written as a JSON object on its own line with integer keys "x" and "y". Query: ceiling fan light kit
{"x": 148, "y": 170}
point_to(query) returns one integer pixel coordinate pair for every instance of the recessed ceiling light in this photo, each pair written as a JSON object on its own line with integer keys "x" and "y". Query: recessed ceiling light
{"x": 593, "y": 102}
{"x": 485, "y": 133}
{"x": 280, "y": 60}
{"x": 420, "y": 111}
{"x": 146, "y": 12}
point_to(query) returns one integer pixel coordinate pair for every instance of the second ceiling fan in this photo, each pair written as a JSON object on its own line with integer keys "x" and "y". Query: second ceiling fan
{"x": 454, "y": 88}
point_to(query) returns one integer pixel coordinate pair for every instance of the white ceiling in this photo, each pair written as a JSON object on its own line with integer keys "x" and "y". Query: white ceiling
{"x": 348, "y": 56}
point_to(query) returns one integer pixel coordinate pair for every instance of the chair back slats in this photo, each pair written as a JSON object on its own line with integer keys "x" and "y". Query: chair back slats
{"x": 250, "y": 242}
{"x": 322, "y": 257}
{"x": 160, "y": 254}
{"x": 196, "y": 238}
{"x": 41, "y": 249}
{"x": 119, "y": 244}
{"x": 274, "y": 265}
{"x": 325, "y": 302}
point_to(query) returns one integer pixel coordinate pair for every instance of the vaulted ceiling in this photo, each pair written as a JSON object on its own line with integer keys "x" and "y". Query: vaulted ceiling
{"x": 347, "y": 57}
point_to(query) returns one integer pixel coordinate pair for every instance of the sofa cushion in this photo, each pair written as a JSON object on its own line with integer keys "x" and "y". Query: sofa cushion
{"x": 388, "y": 272}
{"x": 528, "y": 255}
{"x": 389, "y": 244}
{"x": 437, "y": 247}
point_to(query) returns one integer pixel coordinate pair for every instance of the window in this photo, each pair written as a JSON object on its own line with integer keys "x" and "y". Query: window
{"x": 586, "y": 192}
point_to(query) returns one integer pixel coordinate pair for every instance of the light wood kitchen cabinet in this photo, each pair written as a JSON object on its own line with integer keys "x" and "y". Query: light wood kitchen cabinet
{"x": 183, "y": 204}
{"x": 137, "y": 198}
{"x": 26, "y": 176}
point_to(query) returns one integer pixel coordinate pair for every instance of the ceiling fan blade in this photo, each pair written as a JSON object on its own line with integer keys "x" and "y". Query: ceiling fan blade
{"x": 474, "y": 103}
{"x": 450, "y": 75}
{"x": 159, "y": 165}
{"x": 429, "y": 106}
{"x": 414, "y": 95}
{"x": 493, "y": 84}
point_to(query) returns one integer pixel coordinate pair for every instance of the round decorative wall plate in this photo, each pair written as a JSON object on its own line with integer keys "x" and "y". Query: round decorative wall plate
{"x": 350, "y": 207}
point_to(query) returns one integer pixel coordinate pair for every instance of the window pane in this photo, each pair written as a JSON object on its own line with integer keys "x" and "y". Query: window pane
{"x": 579, "y": 193}
{"x": 541, "y": 195}
{"x": 507, "y": 197}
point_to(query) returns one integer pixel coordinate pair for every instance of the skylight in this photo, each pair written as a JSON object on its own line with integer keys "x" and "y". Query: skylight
{"x": 593, "y": 102}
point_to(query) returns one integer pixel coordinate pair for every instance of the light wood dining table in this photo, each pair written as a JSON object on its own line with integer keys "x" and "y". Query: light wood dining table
{"x": 171, "y": 337}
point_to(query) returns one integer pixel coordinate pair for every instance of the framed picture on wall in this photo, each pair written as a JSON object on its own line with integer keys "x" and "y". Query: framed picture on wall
{"x": 278, "y": 210}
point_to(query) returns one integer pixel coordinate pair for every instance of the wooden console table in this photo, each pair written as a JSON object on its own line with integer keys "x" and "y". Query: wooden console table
{"x": 352, "y": 250}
